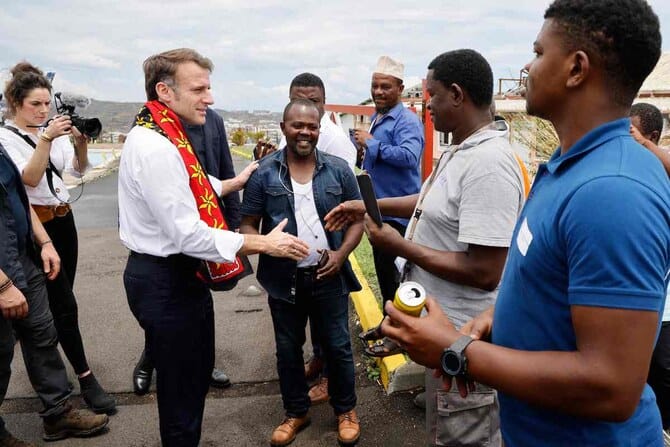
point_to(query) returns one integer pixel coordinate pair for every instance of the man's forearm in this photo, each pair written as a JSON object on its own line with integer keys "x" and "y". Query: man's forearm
{"x": 352, "y": 237}
{"x": 398, "y": 206}
{"x": 455, "y": 266}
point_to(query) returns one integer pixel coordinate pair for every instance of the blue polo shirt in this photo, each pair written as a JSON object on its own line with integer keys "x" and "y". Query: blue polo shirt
{"x": 595, "y": 231}
{"x": 393, "y": 156}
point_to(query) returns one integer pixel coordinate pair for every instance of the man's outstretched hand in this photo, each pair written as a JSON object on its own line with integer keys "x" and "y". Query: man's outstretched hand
{"x": 344, "y": 214}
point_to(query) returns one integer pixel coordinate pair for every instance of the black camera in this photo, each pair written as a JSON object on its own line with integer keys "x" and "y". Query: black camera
{"x": 65, "y": 105}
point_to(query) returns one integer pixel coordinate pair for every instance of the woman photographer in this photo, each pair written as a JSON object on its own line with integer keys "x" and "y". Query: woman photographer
{"x": 37, "y": 150}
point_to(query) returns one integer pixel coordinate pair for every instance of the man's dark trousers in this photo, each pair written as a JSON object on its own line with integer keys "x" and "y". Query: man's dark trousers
{"x": 387, "y": 272}
{"x": 39, "y": 345}
{"x": 328, "y": 308}
{"x": 175, "y": 310}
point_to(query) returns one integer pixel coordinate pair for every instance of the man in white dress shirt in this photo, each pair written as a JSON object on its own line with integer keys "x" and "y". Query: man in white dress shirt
{"x": 332, "y": 139}
{"x": 160, "y": 223}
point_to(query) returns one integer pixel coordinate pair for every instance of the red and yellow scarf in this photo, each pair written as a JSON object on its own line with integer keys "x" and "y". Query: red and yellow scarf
{"x": 156, "y": 116}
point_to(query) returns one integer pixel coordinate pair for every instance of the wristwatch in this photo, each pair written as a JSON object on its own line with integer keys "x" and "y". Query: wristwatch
{"x": 453, "y": 359}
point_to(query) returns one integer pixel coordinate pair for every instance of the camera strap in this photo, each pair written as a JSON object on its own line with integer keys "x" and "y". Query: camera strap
{"x": 50, "y": 170}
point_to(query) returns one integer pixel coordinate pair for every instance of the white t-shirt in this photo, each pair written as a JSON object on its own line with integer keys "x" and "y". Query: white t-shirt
{"x": 62, "y": 156}
{"x": 310, "y": 229}
{"x": 333, "y": 140}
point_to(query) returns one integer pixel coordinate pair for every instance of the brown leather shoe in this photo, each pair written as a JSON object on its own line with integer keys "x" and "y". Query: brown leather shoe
{"x": 285, "y": 433}
{"x": 318, "y": 394}
{"x": 313, "y": 367}
{"x": 348, "y": 428}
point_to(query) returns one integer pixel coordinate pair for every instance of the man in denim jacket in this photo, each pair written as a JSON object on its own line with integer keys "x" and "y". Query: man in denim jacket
{"x": 303, "y": 184}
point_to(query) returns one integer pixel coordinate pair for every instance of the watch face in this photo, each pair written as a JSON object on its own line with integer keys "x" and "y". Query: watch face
{"x": 451, "y": 363}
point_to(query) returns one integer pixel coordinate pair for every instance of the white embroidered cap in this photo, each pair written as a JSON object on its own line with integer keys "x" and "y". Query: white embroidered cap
{"x": 387, "y": 66}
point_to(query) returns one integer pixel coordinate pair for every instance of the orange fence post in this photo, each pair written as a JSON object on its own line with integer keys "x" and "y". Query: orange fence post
{"x": 429, "y": 129}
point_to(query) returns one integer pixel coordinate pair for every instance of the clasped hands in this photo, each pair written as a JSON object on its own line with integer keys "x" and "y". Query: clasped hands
{"x": 282, "y": 244}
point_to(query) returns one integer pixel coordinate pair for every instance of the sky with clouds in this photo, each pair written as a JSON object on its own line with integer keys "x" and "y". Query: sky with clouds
{"x": 257, "y": 46}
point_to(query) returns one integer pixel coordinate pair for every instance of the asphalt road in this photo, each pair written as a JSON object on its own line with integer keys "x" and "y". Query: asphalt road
{"x": 243, "y": 415}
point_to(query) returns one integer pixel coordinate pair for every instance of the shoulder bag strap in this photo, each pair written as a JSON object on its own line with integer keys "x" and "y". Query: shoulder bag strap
{"x": 49, "y": 171}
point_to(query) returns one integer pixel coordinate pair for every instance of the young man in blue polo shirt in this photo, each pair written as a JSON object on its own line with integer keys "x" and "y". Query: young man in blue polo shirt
{"x": 584, "y": 284}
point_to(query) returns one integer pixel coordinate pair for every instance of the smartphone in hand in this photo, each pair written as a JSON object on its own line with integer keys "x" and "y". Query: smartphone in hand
{"x": 369, "y": 198}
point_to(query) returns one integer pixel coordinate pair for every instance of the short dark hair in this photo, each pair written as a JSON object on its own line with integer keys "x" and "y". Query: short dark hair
{"x": 163, "y": 66}
{"x": 469, "y": 70}
{"x": 651, "y": 118}
{"x": 307, "y": 80}
{"x": 298, "y": 102}
{"x": 25, "y": 77}
{"x": 621, "y": 36}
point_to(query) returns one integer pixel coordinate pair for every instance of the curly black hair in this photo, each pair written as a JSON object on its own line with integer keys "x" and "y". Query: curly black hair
{"x": 651, "y": 118}
{"x": 307, "y": 80}
{"x": 469, "y": 70}
{"x": 621, "y": 36}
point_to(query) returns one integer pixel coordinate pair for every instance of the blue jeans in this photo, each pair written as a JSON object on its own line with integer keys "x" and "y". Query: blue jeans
{"x": 328, "y": 308}
{"x": 175, "y": 310}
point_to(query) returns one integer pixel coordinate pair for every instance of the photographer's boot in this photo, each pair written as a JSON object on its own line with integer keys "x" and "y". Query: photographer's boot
{"x": 95, "y": 397}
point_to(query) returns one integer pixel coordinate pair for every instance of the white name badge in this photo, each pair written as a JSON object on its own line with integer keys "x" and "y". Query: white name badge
{"x": 524, "y": 238}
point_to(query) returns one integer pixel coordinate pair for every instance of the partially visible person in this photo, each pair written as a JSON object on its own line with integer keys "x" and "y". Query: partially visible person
{"x": 391, "y": 153}
{"x": 171, "y": 222}
{"x": 25, "y": 312}
{"x": 332, "y": 139}
{"x": 302, "y": 184}
{"x": 42, "y": 152}
{"x": 585, "y": 279}
{"x": 460, "y": 229}
{"x": 646, "y": 127}
{"x": 211, "y": 146}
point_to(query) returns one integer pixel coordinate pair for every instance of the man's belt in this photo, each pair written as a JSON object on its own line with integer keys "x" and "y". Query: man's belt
{"x": 48, "y": 212}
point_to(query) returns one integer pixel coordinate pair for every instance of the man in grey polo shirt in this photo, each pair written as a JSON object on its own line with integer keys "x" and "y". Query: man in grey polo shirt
{"x": 456, "y": 242}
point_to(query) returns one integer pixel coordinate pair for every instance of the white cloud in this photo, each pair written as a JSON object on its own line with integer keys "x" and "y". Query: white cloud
{"x": 258, "y": 46}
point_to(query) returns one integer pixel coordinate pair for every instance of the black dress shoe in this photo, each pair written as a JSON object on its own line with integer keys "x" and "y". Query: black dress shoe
{"x": 219, "y": 379}
{"x": 142, "y": 375}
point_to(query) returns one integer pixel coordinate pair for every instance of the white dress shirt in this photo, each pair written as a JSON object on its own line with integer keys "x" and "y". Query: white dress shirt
{"x": 333, "y": 140}
{"x": 158, "y": 214}
{"x": 62, "y": 156}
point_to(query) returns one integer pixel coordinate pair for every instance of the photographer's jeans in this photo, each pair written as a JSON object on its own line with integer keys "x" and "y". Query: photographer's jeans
{"x": 328, "y": 309}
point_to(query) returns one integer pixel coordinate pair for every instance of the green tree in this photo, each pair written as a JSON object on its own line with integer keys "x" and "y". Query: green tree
{"x": 258, "y": 135}
{"x": 238, "y": 137}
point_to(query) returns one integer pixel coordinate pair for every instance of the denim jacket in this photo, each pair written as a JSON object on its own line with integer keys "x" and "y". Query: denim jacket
{"x": 10, "y": 261}
{"x": 268, "y": 194}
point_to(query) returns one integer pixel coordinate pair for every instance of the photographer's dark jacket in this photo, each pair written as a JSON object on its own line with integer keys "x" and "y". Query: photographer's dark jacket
{"x": 15, "y": 229}
{"x": 266, "y": 195}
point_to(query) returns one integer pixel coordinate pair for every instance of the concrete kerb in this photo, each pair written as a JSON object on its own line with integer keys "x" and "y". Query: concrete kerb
{"x": 397, "y": 372}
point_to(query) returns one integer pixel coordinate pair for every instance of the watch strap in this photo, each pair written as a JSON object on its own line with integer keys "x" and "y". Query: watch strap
{"x": 461, "y": 343}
